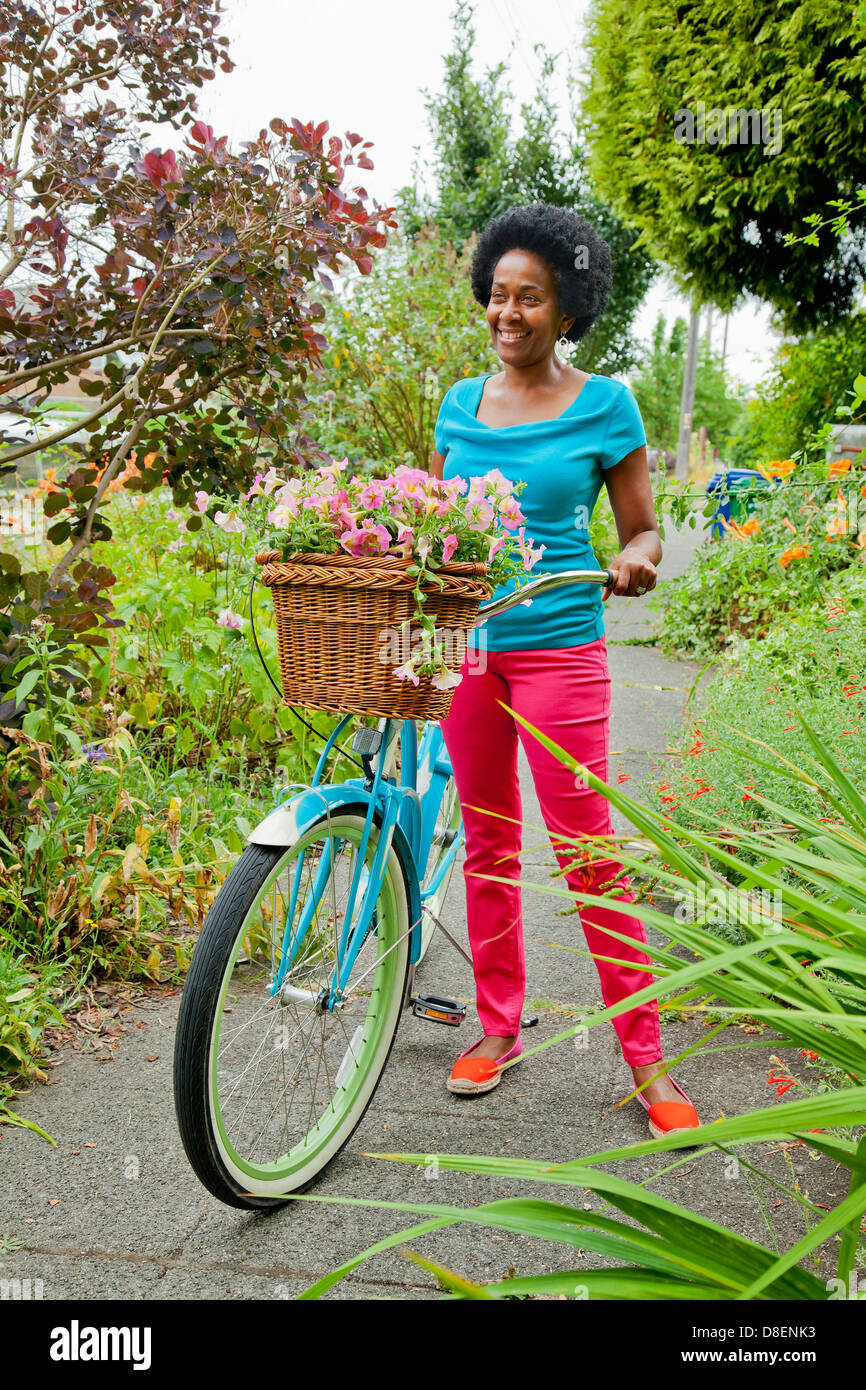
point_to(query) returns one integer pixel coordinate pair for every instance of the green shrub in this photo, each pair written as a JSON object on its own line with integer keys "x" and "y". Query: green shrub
{"x": 26, "y": 1007}
{"x": 801, "y": 536}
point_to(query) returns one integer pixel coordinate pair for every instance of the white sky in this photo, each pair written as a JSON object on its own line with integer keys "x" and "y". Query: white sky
{"x": 364, "y": 67}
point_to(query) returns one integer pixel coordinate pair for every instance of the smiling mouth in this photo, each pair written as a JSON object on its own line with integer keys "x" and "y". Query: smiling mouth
{"x": 512, "y": 335}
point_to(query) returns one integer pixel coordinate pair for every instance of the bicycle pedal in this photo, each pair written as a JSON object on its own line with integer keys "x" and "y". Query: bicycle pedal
{"x": 439, "y": 1010}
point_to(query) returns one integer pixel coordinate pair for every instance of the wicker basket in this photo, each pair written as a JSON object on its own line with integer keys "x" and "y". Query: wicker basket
{"x": 331, "y": 611}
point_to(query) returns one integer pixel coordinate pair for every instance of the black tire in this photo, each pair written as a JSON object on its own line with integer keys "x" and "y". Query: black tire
{"x": 199, "y": 1003}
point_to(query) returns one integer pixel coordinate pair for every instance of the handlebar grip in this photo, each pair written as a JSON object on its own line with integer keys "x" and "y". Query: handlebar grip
{"x": 612, "y": 577}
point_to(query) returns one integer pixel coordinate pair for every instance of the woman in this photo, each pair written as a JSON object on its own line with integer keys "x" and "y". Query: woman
{"x": 543, "y": 275}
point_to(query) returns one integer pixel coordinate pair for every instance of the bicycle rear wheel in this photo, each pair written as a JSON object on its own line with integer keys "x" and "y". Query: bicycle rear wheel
{"x": 269, "y": 1087}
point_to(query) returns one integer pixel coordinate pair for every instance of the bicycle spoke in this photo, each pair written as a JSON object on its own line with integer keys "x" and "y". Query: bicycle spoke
{"x": 281, "y": 1065}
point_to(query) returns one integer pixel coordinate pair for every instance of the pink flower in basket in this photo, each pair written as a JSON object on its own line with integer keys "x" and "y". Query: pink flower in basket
{"x": 366, "y": 540}
{"x": 284, "y": 511}
{"x": 498, "y": 483}
{"x": 405, "y": 474}
{"x": 264, "y": 484}
{"x": 256, "y": 489}
{"x": 529, "y": 556}
{"x": 410, "y": 514}
{"x": 445, "y": 679}
{"x": 510, "y": 514}
{"x": 406, "y": 673}
{"x": 373, "y": 494}
{"x": 227, "y": 521}
{"x": 482, "y": 515}
{"x": 333, "y": 470}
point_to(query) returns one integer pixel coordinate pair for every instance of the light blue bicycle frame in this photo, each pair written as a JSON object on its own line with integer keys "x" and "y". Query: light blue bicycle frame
{"x": 403, "y": 817}
{"x": 406, "y": 821}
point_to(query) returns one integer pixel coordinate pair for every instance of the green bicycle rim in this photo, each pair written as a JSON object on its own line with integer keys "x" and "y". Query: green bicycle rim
{"x": 307, "y": 1157}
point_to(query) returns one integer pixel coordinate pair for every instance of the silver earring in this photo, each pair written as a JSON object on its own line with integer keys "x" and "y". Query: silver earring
{"x": 562, "y": 344}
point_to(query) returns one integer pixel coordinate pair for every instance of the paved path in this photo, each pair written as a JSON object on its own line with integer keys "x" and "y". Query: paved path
{"x": 114, "y": 1211}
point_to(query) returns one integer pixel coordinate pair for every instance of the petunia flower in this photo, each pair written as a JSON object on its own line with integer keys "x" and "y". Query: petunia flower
{"x": 366, "y": 540}
{"x": 255, "y": 490}
{"x": 482, "y": 515}
{"x": 445, "y": 679}
{"x": 449, "y": 545}
{"x": 228, "y": 619}
{"x": 405, "y": 673}
{"x": 227, "y": 521}
{"x": 286, "y": 508}
{"x": 498, "y": 483}
{"x": 510, "y": 514}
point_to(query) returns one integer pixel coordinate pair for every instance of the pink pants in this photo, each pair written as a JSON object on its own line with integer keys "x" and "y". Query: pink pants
{"x": 564, "y": 692}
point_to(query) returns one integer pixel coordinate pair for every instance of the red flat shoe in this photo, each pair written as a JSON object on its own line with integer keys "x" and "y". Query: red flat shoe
{"x": 670, "y": 1116}
{"x": 472, "y": 1076}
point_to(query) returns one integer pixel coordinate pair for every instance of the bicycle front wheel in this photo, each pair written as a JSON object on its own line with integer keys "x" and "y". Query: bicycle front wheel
{"x": 270, "y": 1086}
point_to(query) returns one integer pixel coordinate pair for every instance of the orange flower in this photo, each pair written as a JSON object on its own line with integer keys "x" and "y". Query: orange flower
{"x": 794, "y": 552}
{"x": 837, "y": 527}
{"x": 741, "y": 531}
{"x": 781, "y": 1082}
{"x": 838, "y": 467}
{"x": 779, "y": 468}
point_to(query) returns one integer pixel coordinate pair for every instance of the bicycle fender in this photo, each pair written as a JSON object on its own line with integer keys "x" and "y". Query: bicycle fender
{"x": 293, "y": 819}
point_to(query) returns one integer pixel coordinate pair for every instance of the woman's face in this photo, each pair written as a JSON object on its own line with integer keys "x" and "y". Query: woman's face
{"x": 522, "y": 311}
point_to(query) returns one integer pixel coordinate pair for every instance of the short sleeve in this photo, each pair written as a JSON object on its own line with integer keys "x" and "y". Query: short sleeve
{"x": 440, "y": 432}
{"x": 625, "y": 430}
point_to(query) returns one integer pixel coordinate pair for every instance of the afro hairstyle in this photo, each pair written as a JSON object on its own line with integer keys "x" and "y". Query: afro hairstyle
{"x": 555, "y": 235}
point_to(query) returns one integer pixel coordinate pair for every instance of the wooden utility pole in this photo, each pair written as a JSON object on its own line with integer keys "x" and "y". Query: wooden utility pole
{"x": 687, "y": 404}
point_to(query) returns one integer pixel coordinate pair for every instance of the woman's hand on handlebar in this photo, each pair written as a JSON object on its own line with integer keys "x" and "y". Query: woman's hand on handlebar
{"x": 633, "y": 573}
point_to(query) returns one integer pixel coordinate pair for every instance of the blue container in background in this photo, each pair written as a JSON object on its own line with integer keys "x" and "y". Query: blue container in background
{"x": 734, "y": 490}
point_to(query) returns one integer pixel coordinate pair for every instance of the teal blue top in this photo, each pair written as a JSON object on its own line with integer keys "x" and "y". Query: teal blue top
{"x": 562, "y": 462}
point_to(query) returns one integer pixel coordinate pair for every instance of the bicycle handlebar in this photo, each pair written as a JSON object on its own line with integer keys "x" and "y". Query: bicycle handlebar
{"x": 540, "y": 586}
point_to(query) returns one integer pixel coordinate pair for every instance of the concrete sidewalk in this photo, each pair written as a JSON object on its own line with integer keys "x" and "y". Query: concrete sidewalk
{"x": 114, "y": 1210}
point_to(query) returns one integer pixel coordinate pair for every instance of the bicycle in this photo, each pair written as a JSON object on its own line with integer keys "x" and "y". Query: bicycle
{"x": 307, "y": 957}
